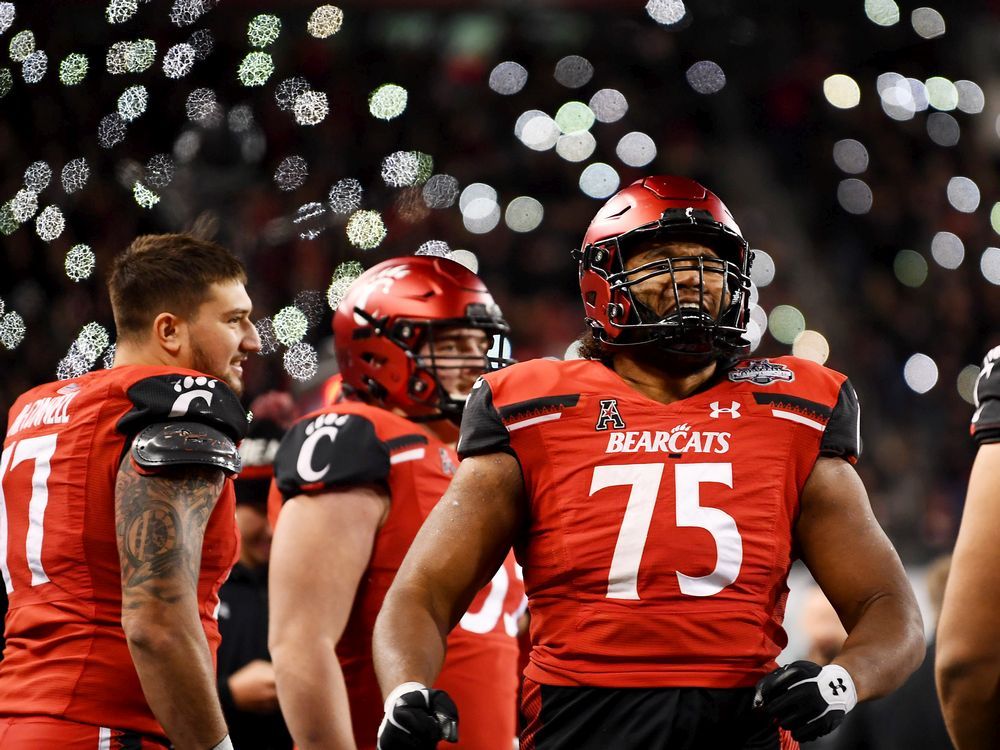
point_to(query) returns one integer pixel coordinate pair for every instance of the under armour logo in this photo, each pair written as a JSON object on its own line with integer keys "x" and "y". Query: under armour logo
{"x": 609, "y": 415}
{"x": 837, "y": 685}
{"x": 733, "y": 410}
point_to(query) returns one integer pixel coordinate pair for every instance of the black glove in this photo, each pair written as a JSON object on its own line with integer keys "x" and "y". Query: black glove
{"x": 806, "y": 700}
{"x": 418, "y": 719}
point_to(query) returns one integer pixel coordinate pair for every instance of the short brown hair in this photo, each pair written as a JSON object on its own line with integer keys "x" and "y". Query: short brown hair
{"x": 166, "y": 273}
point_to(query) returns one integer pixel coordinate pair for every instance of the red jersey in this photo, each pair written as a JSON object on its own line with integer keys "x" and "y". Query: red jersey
{"x": 354, "y": 443}
{"x": 66, "y": 654}
{"x": 659, "y": 536}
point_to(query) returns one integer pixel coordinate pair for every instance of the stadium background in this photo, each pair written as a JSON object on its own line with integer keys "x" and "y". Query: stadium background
{"x": 856, "y": 143}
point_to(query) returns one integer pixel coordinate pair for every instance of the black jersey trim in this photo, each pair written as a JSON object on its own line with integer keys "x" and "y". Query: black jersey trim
{"x": 812, "y": 409}
{"x": 405, "y": 441}
{"x": 842, "y": 437}
{"x": 536, "y": 407}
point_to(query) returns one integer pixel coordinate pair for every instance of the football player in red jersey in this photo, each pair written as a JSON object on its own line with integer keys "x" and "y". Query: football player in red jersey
{"x": 117, "y": 516}
{"x": 656, "y": 493}
{"x": 358, "y": 477}
{"x": 968, "y": 638}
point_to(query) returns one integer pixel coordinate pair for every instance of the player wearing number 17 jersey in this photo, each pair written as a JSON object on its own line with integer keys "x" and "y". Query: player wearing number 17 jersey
{"x": 657, "y": 492}
{"x": 358, "y": 479}
{"x": 117, "y": 516}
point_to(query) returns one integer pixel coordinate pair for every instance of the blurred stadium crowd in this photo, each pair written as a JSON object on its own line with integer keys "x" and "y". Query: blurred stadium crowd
{"x": 852, "y": 239}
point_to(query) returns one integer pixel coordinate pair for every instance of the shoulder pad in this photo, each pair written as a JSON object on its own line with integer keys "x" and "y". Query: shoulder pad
{"x": 168, "y": 444}
{"x": 188, "y": 398}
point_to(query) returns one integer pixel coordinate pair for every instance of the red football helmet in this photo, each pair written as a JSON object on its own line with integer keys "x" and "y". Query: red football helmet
{"x": 671, "y": 208}
{"x": 392, "y": 310}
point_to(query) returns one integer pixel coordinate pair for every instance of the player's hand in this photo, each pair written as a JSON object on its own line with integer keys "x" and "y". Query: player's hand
{"x": 417, "y": 719}
{"x": 253, "y": 687}
{"x": 805, "y": 699}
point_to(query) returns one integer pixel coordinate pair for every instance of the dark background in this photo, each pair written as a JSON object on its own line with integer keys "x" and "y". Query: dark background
{"x": 764, "y": 143}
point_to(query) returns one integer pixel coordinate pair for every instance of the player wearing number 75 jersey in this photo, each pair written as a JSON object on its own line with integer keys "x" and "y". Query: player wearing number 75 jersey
{"x": 358, "y": 479}
{"x": 656, "y": 493}
{"x": 117, "y": 516}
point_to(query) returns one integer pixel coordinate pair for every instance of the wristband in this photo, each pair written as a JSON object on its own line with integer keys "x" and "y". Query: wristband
{"x": 224, "y": 744}
{"x": 406, "y": 687}
{"x": 836, "y": 686}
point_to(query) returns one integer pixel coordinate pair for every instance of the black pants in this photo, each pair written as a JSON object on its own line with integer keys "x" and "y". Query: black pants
{"x": 588, "y": 718}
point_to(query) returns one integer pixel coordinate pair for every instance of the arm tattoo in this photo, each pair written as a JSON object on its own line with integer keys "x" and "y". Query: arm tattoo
{"x": 160, "y": 524}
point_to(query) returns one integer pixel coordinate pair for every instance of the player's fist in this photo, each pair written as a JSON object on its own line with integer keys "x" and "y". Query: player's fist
{"x": 417, "y": 718}
{"x": 805, "y": 699}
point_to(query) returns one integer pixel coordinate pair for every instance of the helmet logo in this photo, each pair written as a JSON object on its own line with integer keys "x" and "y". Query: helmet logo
{"x": 382, "y": 282}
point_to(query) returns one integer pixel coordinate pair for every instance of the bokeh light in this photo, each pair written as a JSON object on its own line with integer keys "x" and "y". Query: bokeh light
{"x": 325, "y": 21}
{"x": 608, "y": 105}
{"x": 435, "y": 248}
{"x": 111, "y": 130}
{"x": 159, "y": 170}
{"x": 574, "y": 71}
{"x": 268, "y": 341}
{"x": 910, "y": 268}
{"x": 763, "y": 269}
{"x": 706, "y": 77}
{"x": 49, "y": 224}
{"x": 12, "y": 330}
{"x": 202, "y": 42}
{"x": 971, "y": 98}
{"x": 24, "y": 205}
{"x": 882, "y": 12}
{"x": 785, "y": 323}
{"x": 599, "y": 180}
{"x": 301, "y": 361}
{"x": 941, "y": 93}
{"x": 947, "y": 250}
{"x": 854, "y": 196}
{"x": 401, "y": 169}
{"x": 345, "y": 196}
{"x": 666, "y": 12}
{"x": 850, "y": 156}
{"x": 524, "y": 214}
{"x": 178, "y": 61}
{"x": 573, "y": 117}
{"x": 963, "y": 194}
{"x": 21, "y": 45}
{"x": 811, "y": 345}
{"x": 508, "y": 78}
{"x": 927, "y": 22}
{"x": 37, "y": 176}
{"x": 132, "y": 102}
{"x": 636, "y": 149}
{"x": 576, "y": 146}
{"x": 388, "y": 101}
{"x": 145, "y": 197}
{"x": 255, "y": 69}
{"x": 74, "y": 175}
{"x": 966, "y": 382}
{"x": 474, "y": 191}
{"x": 440, "y": 191}
{"x": 73, "y": 69}
{"x": 288, "y": 91}
{"x": 119, "y": 11}
{"x": 290, "y": 325}
{"x": 540, "y": 133}
{"x": 311, "y": 107}
{"x": 92, "y": 340}
{"x": 34, "y": 67}
{"x": 943, "y": 129}
{"x": 186, "y": 12}
{"x": 202, "y": 107}
{"x": 7, "y": 14}
{"x": 344, "y": 275}
{"x": 291, "y": 173}
{"x": 466, "y": 258}
{"x": 263, "y": 30}
{"x": 842, "y": 91}
{"x": 311, "y": 220}
{"x": 6, "y": 81}
{"x": 365, "y": 229}
{"x": 989, "y": 264}
{"x": 481, "y": 215}
{"x": 80, "y": 262}
{"x": 920, "y": 373}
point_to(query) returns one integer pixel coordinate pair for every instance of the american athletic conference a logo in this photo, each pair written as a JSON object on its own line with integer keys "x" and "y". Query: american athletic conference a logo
{"x": 609, "y": 416}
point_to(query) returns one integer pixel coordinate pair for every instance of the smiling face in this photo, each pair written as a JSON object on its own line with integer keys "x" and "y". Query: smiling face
{"x": 657, "y": 292}
{"x": 220, "y": 334}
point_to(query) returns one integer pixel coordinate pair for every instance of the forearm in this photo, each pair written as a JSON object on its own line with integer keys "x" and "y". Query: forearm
{"x": 968, "y": 682}
{"x": 884, "y": 647}
{"x": 175, "y": 669}
{"x": 313, "y": 694}
{"x": 409, "y": 640}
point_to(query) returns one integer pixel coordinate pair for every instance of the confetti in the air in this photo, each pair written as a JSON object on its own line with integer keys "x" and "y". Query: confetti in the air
{"x": 290, "y": 325}
{"x": 325, "y": 21}
{"x": 202, "y": 106}
{"x": 73, "y": 69}
{"x": 7, "y": 13}
{"x": 111, "y": 130}
{"x": 291, "y": 173}
{"x": 255, "y": 69}
{"x": 12, "y": 330}
{"x": 508, "y": 78}
{"x": 574, "y": 71}
{"x": 437, "y": 248}
{"x": 132, "y": 102}
{"x": 310, "y": 302}
{"x": 186, "y": 12}
{"x": 387, "y": 101}
{"x": 92, "y": 340}
{"x": 202, "y": 42}
{"x": 178, "y": 60}
{"x": 311, "y": 107}
{"x": 144, "y": 196}
{"x": 366, "y": 230}
{"x": 345, "y": 196}
{"x": 34, "y": 67}
{"x": 37, "y": 176}
{"x": 50, "y": 223}
{"x": 441, "y": 191}
{"x": 22, "y": 44}
{"x": 24, "y": 205}
{"x": 80, "y": 262}
{"x": 268, "y": 340}
{"x": 119, "y": 11}
{"x": 159, "y": 170}
{"x": 263, "y": 30}
{"x": 6, "y": 81}
{"x": 8, "y": 223}
{"x": 343, "y": 276}
{"x": 301, "y": 361}
{"x": 108, "y": 360}
{"x": 288, "y": 91}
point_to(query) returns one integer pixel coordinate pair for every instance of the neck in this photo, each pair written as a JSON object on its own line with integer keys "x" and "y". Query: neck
{"x": 656, "y": 381}
{"x": 130, "y": 353}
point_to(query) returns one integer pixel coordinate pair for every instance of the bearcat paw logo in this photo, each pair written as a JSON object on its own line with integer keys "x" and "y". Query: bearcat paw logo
{"x": 326, "y": 420}
{"x": 190, "y": 390}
